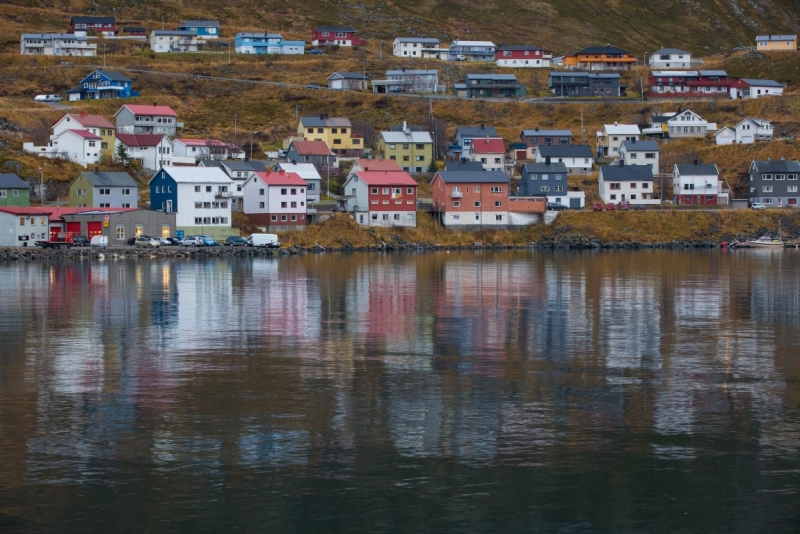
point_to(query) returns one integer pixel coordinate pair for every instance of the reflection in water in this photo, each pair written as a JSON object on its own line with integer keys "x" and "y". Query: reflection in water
{"x": 452, "y": 392}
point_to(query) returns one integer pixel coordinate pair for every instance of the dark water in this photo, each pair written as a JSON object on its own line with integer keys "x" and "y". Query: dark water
{"x": 462, "y": 392}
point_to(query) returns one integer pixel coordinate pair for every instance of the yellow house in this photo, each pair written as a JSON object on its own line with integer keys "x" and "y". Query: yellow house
{"x": 413, "y": 151}
{"x": 772, "y": 43}
{"x": 94, "y": 124}
{"x": 336, "y": 131}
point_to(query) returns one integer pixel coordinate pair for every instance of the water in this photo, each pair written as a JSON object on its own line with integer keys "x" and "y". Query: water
{"x": 463, "y": 392}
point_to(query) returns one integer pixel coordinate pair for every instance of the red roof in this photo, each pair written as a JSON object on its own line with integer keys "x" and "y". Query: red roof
{"x": 84, "y": 119}
{"x": 54, "y": 213}
{"x": 140, "y": 139}
{"x": 386, "y": 178}
{"x": 85, "y": 135}
{"x": 312, "y": 148}
{"x": 282, "y": 178}
{"x": 163, "y": 111}
{"x": 386, "y": 165}
{"x": 493, "y": 145}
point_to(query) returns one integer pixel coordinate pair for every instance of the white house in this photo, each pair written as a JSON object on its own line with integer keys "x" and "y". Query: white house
{"x": 577, "y": 158}
{"x": 749, "y": 131}
{"x": 78, "y": 146}
{"x": 748, "y": 88}
{"x": 490, "y": 152}
{"x": 687, "y": 123}
{"x": 697, "y": 184}
{"x": 625, "y": 183}
{"x": 640, "y": 153}
{"x": 152, "y": 151}
{"x": 56, "y": 44}
{"x": 276, "y": 200}
{"x": 94, "y": 124}
{"x": 194, "y": 150}
{"x": 725, "y": 136}
{"x": 309, "y": 174}
{"x": 162, "y": 41}
{"x": 413, "y": 46}
{"x": 377, "y": 198}
{"x": 612, "y": 136}
{"x": 670, "y": 58}
{"x": 200, "y": 197}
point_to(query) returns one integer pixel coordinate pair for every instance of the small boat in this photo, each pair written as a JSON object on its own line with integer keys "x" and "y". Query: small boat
{"x": 766, "y": 241}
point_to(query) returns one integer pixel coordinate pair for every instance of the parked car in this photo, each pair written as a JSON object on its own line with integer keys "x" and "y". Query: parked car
{"x": 264, "y": 240}
{"x": 623, "y": 206}
{"x": 555, "y": 206}
{"x": 80, "y": 241}
{"x": 611, "y": 206}
{"x": 339, "y": 209}
{"x": 192, "y": 241}
{"x": 149, "y": 242}
{"x": 236, "y": 241}
{"x": 597, "y": 206}
{"x": 282, "y": 153}
{"x": 99, "y": 241}
{"x": 169, "y": 241}
{"x": 208, "y": 241}
{"x": 639, "y": 207}
{"x": 758, "y": 206}
{"x": 315, "y": 52}
{"x": 48, "y": 98}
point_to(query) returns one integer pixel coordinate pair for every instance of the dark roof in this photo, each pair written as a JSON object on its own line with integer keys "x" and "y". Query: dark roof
{"x": 536, "y": 132}
{"x": 627, "y": 173}
{"x": 131, "y": 29}
{"x": 476, "y": 131}
{"x": 76, "y": 89}
{"x": 200, "y": 23}
{"x": 565, "y": 151}
{"x": 474, "y": 177}
{"x": 518, "y": 47}
{"x": 640, "y": 145}
{"x": 778, "y": 165}
{"x": 12, "y": 181}
{"x": 348, "y": 75}
{"x": 93, "y": 20}
{"x": 463, "y": 165}
{"x": 669, "y": 51}
{"x": 399, "y": 128}
{"x": 347, "y": 29}
{"x": 114, "y": 76}
{"x": 705, "y": 169}
{"x": 603, "y": 50}
{"x": 762, "y": 83}
{"x": 110, "y": 179}
{"x": 544, "y": 167}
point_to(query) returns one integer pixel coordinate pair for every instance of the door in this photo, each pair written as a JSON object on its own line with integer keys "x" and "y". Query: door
{"x": 575, "y": 203}
{"x": 94, "y": 228}
{"x": 74, "y": 228}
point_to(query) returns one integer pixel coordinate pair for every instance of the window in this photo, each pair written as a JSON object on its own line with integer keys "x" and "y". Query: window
{"x": 126, "y": 205}
{"x": 385, "y": 217}
{"x": 385, "y": 190}
{"x": 104, "y": 191}
{"x": 22, "y": 221}
{"x": 294, "y": 217}
{"x": 496, "y": 189}
{"x": 633, "y": 185}
{"x": 633, "y": 156}
{"x": 405, "y": 158}
{"x": 558, "y": 189}
{"x": 477, "y": 204}
{"x": 120, "y": 233}
{"x": 420, "y": 158}
{"x": 396, "y": 216}
{"x": 645, "y": 185}
{"x": 498, "y": 204}
{"x": 261, "y": 205}
{"x": 767, "y": 177}
{"x": 284, "y": 204}
{"x": 283, "y": 191}
{"x": 208, "y": 189}
{"x": 791, "y": 177}
{"x": 544, "y": 188}
{"x": 374, "y": 190}
{"x": 791, "y": 189}
{"x": 283, "y": 217}
{"x": 2, "y": 194}
{"x": 274, "y": 218}
{"x": 392, "y": 147}
{"x": 374, "y": 216}
{"x": 767, "y": 189}
{"x": 780, "y": 176}
{"x": 126, "y": 192}
{"x": 498, "y": 217}
{"x": 612, "y": 197}
{"x": 456, "y": 204}
{"x": 106, "y": 205}
{"x": 294, "y": 204}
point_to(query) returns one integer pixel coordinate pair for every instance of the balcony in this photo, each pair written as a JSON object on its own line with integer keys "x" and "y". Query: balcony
{"x": 222, "y": 194}
{"x": 456, "y": 194}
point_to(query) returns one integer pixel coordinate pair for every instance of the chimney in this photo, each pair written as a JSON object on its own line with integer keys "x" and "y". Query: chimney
{"x": 696, "y": 162}
{"x": 294, "y": 162}
{"x": 405, "y": 127}
{"x": 633, "y": 140}
{"x": 155, "y": 104}
{"x": 615, "y": 123}
{"x": 621, "y": 162}
{"x": 547, "y": 160}
{"x": 97, "y": 169}
{"x": 783, "y": 158}
{"x": 322, "y": 116}
{"x": 482, "y": 126}
{"x": 487, "y": 139}
{"x": 537, "y": 128}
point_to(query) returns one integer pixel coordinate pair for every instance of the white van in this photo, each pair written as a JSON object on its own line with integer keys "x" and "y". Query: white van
{"x": 47, "y": 98}
{"x": 264, "y": 240}
{"x": 99, "y": 241}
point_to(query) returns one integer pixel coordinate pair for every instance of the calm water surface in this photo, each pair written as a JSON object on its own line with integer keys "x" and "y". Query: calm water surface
{"x": 463, "y": 392}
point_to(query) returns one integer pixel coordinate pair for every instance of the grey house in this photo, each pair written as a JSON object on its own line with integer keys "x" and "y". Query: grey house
{"x": 125, "y": 224}
{"x": 347, "y": 81}
{"x": 146, "y": 119}
{"x": 774, "y": 182}
{"x": 465, "y": 134}
{"x": 104, "y": 190}
{"x": 585, "y": 84}
{"x": 543, "y": 179}
{"x": 409, "y": 81}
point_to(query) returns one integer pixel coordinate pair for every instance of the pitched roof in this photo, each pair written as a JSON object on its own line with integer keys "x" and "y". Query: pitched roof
{"x": 627, "y": 173}
{"x": 761, "y": 83}
{"x": 476, "y": 131}
{"x": 312, "y": 148}
{"x": 348, "y": 76}
{"x": 473, "y": 177}
{"x": 201, "y": 23}
{"x": 110, "y": 179}
{"x": 669, "y": 51}
{"x": 494, "y": 145}
{"x": 263, "y": 35}
{"x": 565, "y": 151}
{"x": 777, "y": 165}
{"x": 758, "y": 122}
{"x": 518, "y": 47}
{"x": 463, "y": 165}
{"x": 93, "y": 20}
{"x": 603, "y": 50}
{"x": 140, "y": 139}
{"x": 622, "y": 129}
{"x": 346, "y": 29}
{"x": 86, "y": 135}
{"x": 113, "y": 76}
{"x": 281, "y": 178}
{"x": 307, "y": 171}
{"x": 95, "y": 121}
{"x": 426, "y": 40}
{"x": 406, "y": 137}
{"x": 178, "y": 33}
{"x": 55, "y": 213}
{"x": 12, "y": 181}
{"x": 325, "y": 121}
{"x": 383, "y": 165}
{"x": 209, "y": 175}
{"x": 701, "y": 169}
{"x": 554, "y": 167}
{"x": 417, "y": 72}
{"x": 536, "y": 132}
{"x": 506, "y": 77}
{"x": 640, "y": 146}
{"x": 386, "y": 178}
{"x": 204, "y": 142}
{"x": 725, "y": 130}
{"x": 472, "y": 43}
{"x": 776, "y": 37}
{"x": 141, "y": 109}
{"x": 712, "y": 73}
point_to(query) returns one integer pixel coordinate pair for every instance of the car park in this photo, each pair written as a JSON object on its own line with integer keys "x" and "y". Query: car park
{"x": 623, "y": 206}
{"x": 597, "y": 206}
{"x": 611, "y": 206}
{"x": 147, "y": 242}
{"x": 192, "y": 241}
{"x": 555, "y": 206}
{"x": 80, "y": 241}
{"x": 758, "y": 206}
{"x": 236, "y": 241}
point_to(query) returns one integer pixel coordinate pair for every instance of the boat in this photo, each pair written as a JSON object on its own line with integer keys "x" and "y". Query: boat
{"x": 766, "y": 241}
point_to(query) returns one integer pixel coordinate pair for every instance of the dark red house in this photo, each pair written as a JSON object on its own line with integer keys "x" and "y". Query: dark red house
{"x": 522, "y": 56}
{"x": 688, "y": 83}
{"x": 336, "y": 35}
{"x": 103, "y": 25}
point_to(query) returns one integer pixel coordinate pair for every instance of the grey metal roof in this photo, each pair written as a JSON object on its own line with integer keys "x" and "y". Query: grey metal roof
{"x": 473, "y": 177}
{"x": 463, "y": 165}
{"x": 640, "y": 146}
{"x": 762, "y": 83}
{"x": 544, "y": 167}
{"x": 346, "y": 29}
{"x": 777, "y": 165}
{"x": 776, "y": 38}
{"x": 566, "y": 151}
{"x": 701, "y": 169}
{"x": 348, "y": 75}
{"x": 261, "y": 35}
{"x": 12, "y": 181}
{"x": 428, "y": 40}
{"x": 627, "y": 173}
{"x": 93, "y": 20}
{"x": 180, "y": 33}
{"x": 201, "y": 23}
{"x": 114, "y": 76}
{"x": 670, "y": 51}
{"x": 585, "y": 74}
{"x": 713, "y": 73}
{"x": 235, "y": 165}
{"x": 602, "y": 50}
{"x": 110, "y": 179}
{"x": 491, "y": 77}
{"x": 343, "y": 122}
{"x": 476, "y": 131}
{"x": 419, "y": 72}
{"x": 549, "y": 133}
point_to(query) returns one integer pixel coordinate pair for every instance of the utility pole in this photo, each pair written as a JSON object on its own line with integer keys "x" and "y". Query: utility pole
{"x": 296, "y": 114}
{"x": 229, "y": 52}
{"x": 104, "y": 55}
{"x": 162, "y": 22}
{"x": 234, "y": 125}
{"x": 328, "y": 166}
{"x": 381, "y": 48}
{"x": 583, "y": 131}
{"x": 41, "y": 186}
{"x": 251, "y": 144}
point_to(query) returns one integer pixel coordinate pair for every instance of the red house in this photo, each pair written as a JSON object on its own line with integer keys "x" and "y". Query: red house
{"x": 103, "y": 25}
{"x": 336, "y": 35}
{"x": 522, "y": 56}
{"x": 688, "y": 83}
{"x": 380, "y": 198}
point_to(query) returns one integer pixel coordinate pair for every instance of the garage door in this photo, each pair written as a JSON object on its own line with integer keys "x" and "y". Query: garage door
{"x": 94, "y": 228}
{"x": 747, "y": 139}
{"x": 575, "y": 203}
{"x": 74, "y": 228}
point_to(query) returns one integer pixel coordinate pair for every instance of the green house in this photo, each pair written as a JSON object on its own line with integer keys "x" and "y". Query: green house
{"x": 103, "y": 190}
{"x": 13, "y": 191}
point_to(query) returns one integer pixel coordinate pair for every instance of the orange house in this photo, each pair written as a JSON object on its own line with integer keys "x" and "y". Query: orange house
{"x": 600, "y": 58}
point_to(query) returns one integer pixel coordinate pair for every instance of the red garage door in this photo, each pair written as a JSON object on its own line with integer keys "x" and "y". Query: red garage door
{"x": 74, "y": 228}
{"x": 94, "y": 228}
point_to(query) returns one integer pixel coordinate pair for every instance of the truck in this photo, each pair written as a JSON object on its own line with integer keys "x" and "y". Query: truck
{"x": 62, "y": 239}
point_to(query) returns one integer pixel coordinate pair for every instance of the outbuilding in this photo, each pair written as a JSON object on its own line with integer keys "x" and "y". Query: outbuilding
{"x": 120, "y": 225}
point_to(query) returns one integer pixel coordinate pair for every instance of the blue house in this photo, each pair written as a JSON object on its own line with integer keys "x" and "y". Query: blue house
{"x": 102, "y": 84}
{"x": 205, "y": 29}
{"x": 266, "y": 43}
